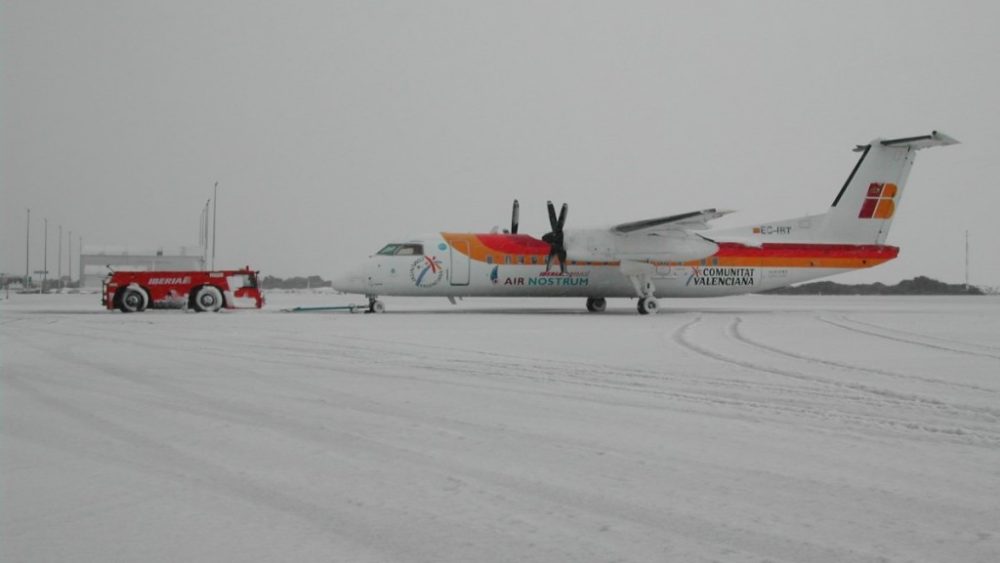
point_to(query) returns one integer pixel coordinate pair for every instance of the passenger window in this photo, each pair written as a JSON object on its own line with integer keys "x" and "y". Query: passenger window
{"x": 489, "y": 259}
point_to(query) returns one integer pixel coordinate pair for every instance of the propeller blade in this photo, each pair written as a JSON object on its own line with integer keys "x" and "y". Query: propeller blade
{"x": 515, "y": 218}
{"x": 555, "y": 237}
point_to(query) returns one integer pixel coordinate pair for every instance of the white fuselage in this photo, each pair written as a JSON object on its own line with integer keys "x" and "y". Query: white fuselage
{"x": 451, "y": 265}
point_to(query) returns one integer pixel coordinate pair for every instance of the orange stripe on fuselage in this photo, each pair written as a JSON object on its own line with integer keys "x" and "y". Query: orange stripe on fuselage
{"x": 498, "y": 246}
{"x": 770, "y": 255}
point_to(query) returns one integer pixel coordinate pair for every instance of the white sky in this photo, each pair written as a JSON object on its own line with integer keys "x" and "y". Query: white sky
{"x": 334, "y": 127}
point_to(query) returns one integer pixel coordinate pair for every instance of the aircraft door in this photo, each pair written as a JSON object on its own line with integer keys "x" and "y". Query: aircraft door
{"x": 460, "y": 262}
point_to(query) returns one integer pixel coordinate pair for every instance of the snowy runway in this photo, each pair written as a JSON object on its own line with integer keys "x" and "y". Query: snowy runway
{"x": 760, "y": 428}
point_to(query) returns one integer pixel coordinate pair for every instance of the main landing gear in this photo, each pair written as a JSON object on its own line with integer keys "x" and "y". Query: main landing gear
{"x": 597, "y": 304}
{"x": 648, "y": 305}
{"x": 642, "y": 281}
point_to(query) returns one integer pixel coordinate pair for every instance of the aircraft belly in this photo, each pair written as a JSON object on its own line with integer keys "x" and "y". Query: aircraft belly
{"x": 517, "y": 280}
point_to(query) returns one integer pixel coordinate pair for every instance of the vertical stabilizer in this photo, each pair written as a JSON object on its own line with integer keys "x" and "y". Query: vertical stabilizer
{"x": 863, "y": 210}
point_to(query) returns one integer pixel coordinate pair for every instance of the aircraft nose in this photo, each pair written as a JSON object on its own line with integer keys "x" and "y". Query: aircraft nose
{"x": 355, "y": 281}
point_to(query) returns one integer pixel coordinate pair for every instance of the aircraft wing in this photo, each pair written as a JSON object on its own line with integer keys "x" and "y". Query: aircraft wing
{"x": 692, "y": 221}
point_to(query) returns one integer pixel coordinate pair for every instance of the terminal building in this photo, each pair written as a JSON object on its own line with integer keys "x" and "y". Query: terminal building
{"x": 95, "y": 261}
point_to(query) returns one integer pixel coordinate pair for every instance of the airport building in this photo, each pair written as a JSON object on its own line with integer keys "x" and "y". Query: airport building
{"x": 95, "y": 261}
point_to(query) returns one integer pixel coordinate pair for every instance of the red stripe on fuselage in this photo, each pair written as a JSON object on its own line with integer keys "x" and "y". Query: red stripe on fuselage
{"x": 514, "y": 244}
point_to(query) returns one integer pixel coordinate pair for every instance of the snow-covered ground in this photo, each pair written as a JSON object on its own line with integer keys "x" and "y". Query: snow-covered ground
{"x": 758, "y": 428}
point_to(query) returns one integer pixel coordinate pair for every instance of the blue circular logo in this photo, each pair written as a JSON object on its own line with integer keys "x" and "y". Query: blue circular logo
{"x": 442, "y": 246}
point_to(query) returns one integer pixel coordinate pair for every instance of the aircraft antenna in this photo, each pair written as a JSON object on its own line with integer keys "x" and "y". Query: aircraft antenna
{"x": 966, "y": 261}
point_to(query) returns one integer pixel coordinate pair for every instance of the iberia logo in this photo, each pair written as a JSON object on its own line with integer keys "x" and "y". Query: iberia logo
{"x": 426, "y": 272}
{"x": 879, "y": 202}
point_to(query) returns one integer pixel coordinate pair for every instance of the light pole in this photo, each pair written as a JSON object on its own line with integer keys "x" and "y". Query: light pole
{"x": 59, "y": 267}
{"x": 27, "y": 250}
{"x": 69, "y": 253}
{"x": 204, "y": 235}
{"x": 45, "y": 256}
{"x": 215, "y": 210}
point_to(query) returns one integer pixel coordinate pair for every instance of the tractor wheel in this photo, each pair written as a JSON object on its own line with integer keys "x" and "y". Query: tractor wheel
{"x": 208, "y": 299}
{"x": 133, "y": 300}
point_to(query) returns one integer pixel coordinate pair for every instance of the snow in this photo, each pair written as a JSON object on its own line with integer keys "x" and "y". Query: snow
{"x": 757, "y": 428}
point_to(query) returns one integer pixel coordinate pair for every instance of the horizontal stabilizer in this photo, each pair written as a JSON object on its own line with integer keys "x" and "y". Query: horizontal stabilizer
{"x": 694, "y": 221}
{"x": 935, "y": 139}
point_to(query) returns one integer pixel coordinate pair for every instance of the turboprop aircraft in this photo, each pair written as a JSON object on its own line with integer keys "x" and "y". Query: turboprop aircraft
{"x": 672, "y": 256}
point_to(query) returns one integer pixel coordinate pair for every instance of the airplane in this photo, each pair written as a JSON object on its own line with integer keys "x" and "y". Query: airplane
{"x": 672, "y": 256}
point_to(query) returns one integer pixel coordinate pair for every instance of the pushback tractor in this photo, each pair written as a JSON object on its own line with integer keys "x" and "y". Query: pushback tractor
{"x": 202, "y": 291}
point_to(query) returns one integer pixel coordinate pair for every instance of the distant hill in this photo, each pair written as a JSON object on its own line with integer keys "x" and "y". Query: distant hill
{"x": 920, "y": 285}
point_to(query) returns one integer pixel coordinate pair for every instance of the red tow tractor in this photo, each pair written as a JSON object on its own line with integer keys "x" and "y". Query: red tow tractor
{"x": 132, "y": 292}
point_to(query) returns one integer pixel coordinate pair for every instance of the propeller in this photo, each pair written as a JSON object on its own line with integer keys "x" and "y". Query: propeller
{"x": 555, "y": 237}
{"x": 514, "y": 217}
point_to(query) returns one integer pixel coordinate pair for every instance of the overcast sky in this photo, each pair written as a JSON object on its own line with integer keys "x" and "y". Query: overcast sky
{"x": 335, "y": 127}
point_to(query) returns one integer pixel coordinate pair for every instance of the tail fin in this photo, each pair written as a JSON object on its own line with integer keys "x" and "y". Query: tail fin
{"x": 864, "y": 208}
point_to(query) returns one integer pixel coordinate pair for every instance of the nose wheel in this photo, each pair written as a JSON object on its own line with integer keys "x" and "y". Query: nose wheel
{"x": 375, "y": 306}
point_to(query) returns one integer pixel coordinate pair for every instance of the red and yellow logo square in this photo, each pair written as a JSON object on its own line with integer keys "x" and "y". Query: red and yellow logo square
{"x": 879, "y": 202}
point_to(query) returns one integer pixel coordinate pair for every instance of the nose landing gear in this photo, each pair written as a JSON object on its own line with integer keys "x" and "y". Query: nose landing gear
{"x": 375, "y": 306}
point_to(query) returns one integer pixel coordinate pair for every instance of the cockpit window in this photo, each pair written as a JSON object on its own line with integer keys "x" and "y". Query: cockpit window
{"x": 402, "y": 250}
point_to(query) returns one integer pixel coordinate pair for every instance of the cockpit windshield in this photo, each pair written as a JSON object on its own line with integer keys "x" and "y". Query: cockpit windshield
{"x": 402, "y": 250}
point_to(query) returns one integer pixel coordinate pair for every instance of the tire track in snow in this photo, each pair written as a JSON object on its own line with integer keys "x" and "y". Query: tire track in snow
{"x": 587, "y": 375}
{"x": 907, "y": 340}
{"x": 812, "y": 359}
{"x": 361, "y": 360}
{"x": 680, "y": 336}
{"x": 492, "y": 371}
{"x": 892, "y": 330}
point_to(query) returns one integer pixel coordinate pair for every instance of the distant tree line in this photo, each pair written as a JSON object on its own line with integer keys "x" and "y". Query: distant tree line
{"x": 298, "y": 282}
{"x": 920, "y": 285}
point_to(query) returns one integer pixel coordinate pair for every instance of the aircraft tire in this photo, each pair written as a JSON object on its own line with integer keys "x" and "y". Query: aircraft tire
{"x": 648, "y": 306}
{"x": 597, "y": 304}
{"x": 376, "y": 307}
